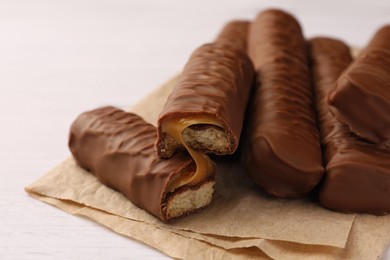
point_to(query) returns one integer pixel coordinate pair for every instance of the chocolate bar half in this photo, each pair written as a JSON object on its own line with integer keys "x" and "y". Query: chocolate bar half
{"x": 357, "y": 175}
{"x": 118, "y": 148}
{"x": 281, "y": 151}
{"x": 361, "y": 96}
{"x": 206, "y": 109}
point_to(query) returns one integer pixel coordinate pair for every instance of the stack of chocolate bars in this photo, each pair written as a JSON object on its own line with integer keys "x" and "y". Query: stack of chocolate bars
{"x": 308, "y": 118}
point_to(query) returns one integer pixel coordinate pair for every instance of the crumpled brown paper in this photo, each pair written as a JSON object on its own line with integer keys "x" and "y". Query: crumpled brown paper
{"x": 241, "y": 222}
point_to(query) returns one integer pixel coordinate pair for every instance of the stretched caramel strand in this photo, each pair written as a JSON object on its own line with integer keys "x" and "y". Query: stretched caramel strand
{"x": 357, "y": 175}
{"x": 235, "y": 33}
{"x": 205, "y": 111}
{"x": 282, "y": 150}
{"x": 361, "y": 96}
{"x": 118, "y": 148}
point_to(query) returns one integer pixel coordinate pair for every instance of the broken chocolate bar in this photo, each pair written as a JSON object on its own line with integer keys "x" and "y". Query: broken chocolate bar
{"x": 281, "y": 150}
{"x": 205, "y": 111}
{"x": 357, "y": 175}
{"x": 118, "y": 148}
{"x": 361, "y": 96}
{"x": 207, "y": 105}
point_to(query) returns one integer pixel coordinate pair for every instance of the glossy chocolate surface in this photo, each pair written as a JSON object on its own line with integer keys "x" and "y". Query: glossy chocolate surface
{"x": 216, "y": 83}
{"x": 118, "y": 148}
{"x": 357, "y": 175}
{"x": 282, "y": 151}
{"x": 235, "y": 33}
{"x": 361, "y": 96}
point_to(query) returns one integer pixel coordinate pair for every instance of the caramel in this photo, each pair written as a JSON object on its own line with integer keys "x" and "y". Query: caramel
{"x": 204, "y": 166}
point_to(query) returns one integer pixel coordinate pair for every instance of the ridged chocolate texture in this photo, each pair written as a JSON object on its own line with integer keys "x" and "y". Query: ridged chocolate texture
{"x": 235, "y": 33}
{"x": 118, "y": 148}
{"x": 282, "y": 151}
{"x": 361, "y": 96}
{"x": 215, "y": 82}
{"x": 357, "y": 175}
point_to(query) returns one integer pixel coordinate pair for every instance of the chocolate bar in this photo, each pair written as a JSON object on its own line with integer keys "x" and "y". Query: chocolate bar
{"x": 205, "y": 111}
{"x": 281, "y": 152}
{"x": 357, "y": 175}
{"x": 361, "y": 96}
{"x": 235, "y": 33}
{"x": 118, "y": 148}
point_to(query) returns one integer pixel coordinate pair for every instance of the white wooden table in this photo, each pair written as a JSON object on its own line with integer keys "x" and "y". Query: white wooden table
{"x": 60, "y": 58}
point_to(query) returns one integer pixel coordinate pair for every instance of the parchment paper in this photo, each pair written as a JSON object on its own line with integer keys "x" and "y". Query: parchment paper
{"x": 241, "y": 222}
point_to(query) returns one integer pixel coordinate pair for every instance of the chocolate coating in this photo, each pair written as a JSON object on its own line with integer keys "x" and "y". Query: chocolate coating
{"x": 215, "y": 82}
{"x": 361, "y": 96}
{"x": 282, "y": 151}
{"x": 118, "y": 148}
{"x": 357, "y": 175}
{"x": 235, "y": 33}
